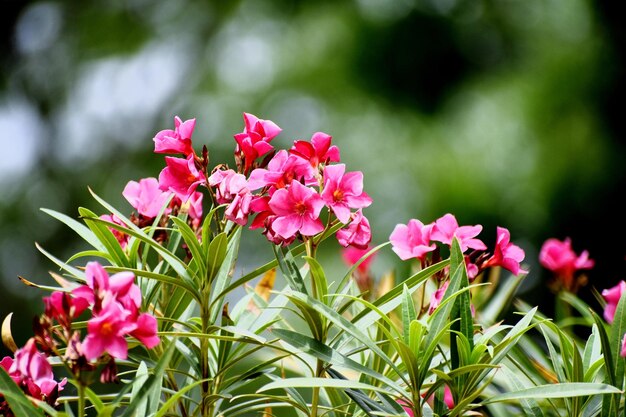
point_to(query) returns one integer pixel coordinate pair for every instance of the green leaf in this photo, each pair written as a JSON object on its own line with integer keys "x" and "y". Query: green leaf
{"x": 224, "y": 274}
{"x": 191, "y": 240}
{"x": 320, "y": 383}
{"x": 618, "y": 329}
{"x": 562, "y": 390}
{"x": 79, "y": 228}
{"x": 289, "y": 269}
{"x": 216, "y": 255}
{"x": 105, "y": 236}
{"x": 319, "y": 278}
{"x": 408, "y": 314}
{"x": 18, "y": 401}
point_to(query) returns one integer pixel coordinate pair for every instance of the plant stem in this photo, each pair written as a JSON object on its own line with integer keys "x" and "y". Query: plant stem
{"x": 81, "y": 399}
{"x": 319, "y": 370}
{"x": 204, "y": 360}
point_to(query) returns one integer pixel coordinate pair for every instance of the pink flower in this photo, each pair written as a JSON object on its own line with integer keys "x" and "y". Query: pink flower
{"x": 351, "y": 255}
{"x": 297, "y": 209}
{"x": 343, "y": 191}
{"x": 177, "y": 140}
{"x": 63, "y": 307}
{"x": 106, "y": 331}
{"x": 146, "y": 331}
{"x": 446, "y": 228}
{"x": 623, "y": 351}
{"x": 281, "y": 170}
{"x": 560, "y": 258}
{"x": 180, "y": 176}
{"x": 506, "y": 254}
{"x": 253, "y": 142}
{"x": 228, "y": 184}
{"x": 122, "y": 238}
{"x": 406, "y": 407}
{"x": 34, "y": 370}
{"x": 317, "y": 151}
{"x": 412, "y": 240}
{"x": 120, "y": 287}
{"x": 437, "y": 296}
{"x": 146, "y": 196}
{"x": 612, "y": 297}
{"x": 357, "y": 234}
{"x": 195, "y": 205}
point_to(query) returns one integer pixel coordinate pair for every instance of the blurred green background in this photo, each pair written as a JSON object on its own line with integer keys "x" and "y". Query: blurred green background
{"x": 503, "y": 112}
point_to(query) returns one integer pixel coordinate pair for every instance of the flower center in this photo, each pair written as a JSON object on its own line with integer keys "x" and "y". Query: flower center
{"x": 300, "y": 208}
{"x": 337, "y": 195}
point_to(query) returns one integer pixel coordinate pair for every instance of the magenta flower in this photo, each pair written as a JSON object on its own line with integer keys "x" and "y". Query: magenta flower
{"x": 406, "y": 407}
{"x": 99, "y": 286}
{"x": 297, "y": 209}
{"x": 506, "y": 254}
{"x": 146, "y": 197}
{"x": 146, "y": 331}
{"x": 623, "y": 350}
{"x": 317, "y": 151}
{"x": 180, "y": 176}
{"x": 612, "y": 297}
{"x": 62, "y": 307}
{"x": 412, "y": 240}
{"x": 106, "y": 331}
{"x": 357, "y": 234}
{"x": 177, "y": 140}
{"x": 35, "y": 371}
{"x": 446, "y": 228}
{"x": 560, "y": 258}
{"x": 255, "y": 139}
{"x": 281, "y": 170}
{"x": 343, "y": 191}
{"x": 351, "y": 255}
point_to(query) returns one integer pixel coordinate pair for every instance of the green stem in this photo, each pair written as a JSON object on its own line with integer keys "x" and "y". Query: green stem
{"x": 319, "y": 371}
{"x": 81, "y": 399}
{"x": 205, "y": 314}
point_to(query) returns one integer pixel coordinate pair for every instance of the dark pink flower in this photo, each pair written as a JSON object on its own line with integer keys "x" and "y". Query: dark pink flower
{"x": 281, "y": 170}
{"x": 62, "y": 307}
{"x": 560, "y": 258}
{"x": 297, "y": 209}
{"x": 317, "y": 151}
{"x": 177, "y": 140}
{"x": 406, "y": 407}
{"x": 101, "y": 288}
{"x": 146, "y": 331}
{"x": 506, "y": 254}
{"x": 412, "y": 240}
{"x": 181, "y": 177}
{"x": 343, "y": 191}
{"x": 260, "y": 205}
{"x": 357, "y": 234}
{"x": 146, "y": 197}
{"x": 255, "y": 139}
{"x": 351, "y": 255}
{"x": 612, "y": 297}
{"x": 106, "y": 331}
{"x": 446, "y": 228}
{"x": 122, "y": 238}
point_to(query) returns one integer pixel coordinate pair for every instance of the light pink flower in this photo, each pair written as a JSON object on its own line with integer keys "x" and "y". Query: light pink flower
{"x": 146, "y": 197}
{"x": 357, "y": 234}
{"x": 437, "y": 296}
{"x": 122, "y": 238}
{"x": 317, "y": 151}
{"x": 255, "y": 139}
{"x": 343, "y": 191}
{"x": 506, "y": 254}
{"x": 351, "y": 255}
{"x": 297, "y": 209}
{"x": 228, "y": 184}
{"x": 446, "y": 228}
{"x": 612, "y": 296}
{"x": 281, "y": 170}
{"x": 412, "y": 240}
{"x": 195, "y": 205}
{"x": 180, "y": 176}
{"x": 106, "y": 331}
{"x": 177, "y": 140}
{"x": 560, "y": 258}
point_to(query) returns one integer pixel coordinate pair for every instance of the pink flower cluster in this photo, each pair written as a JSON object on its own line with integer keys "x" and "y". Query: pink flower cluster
{"x": 285, "y": 191}
{"x": 115, "y": 302}
{"x": 417, "y": 240}
{"x": 31, "y": 370}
